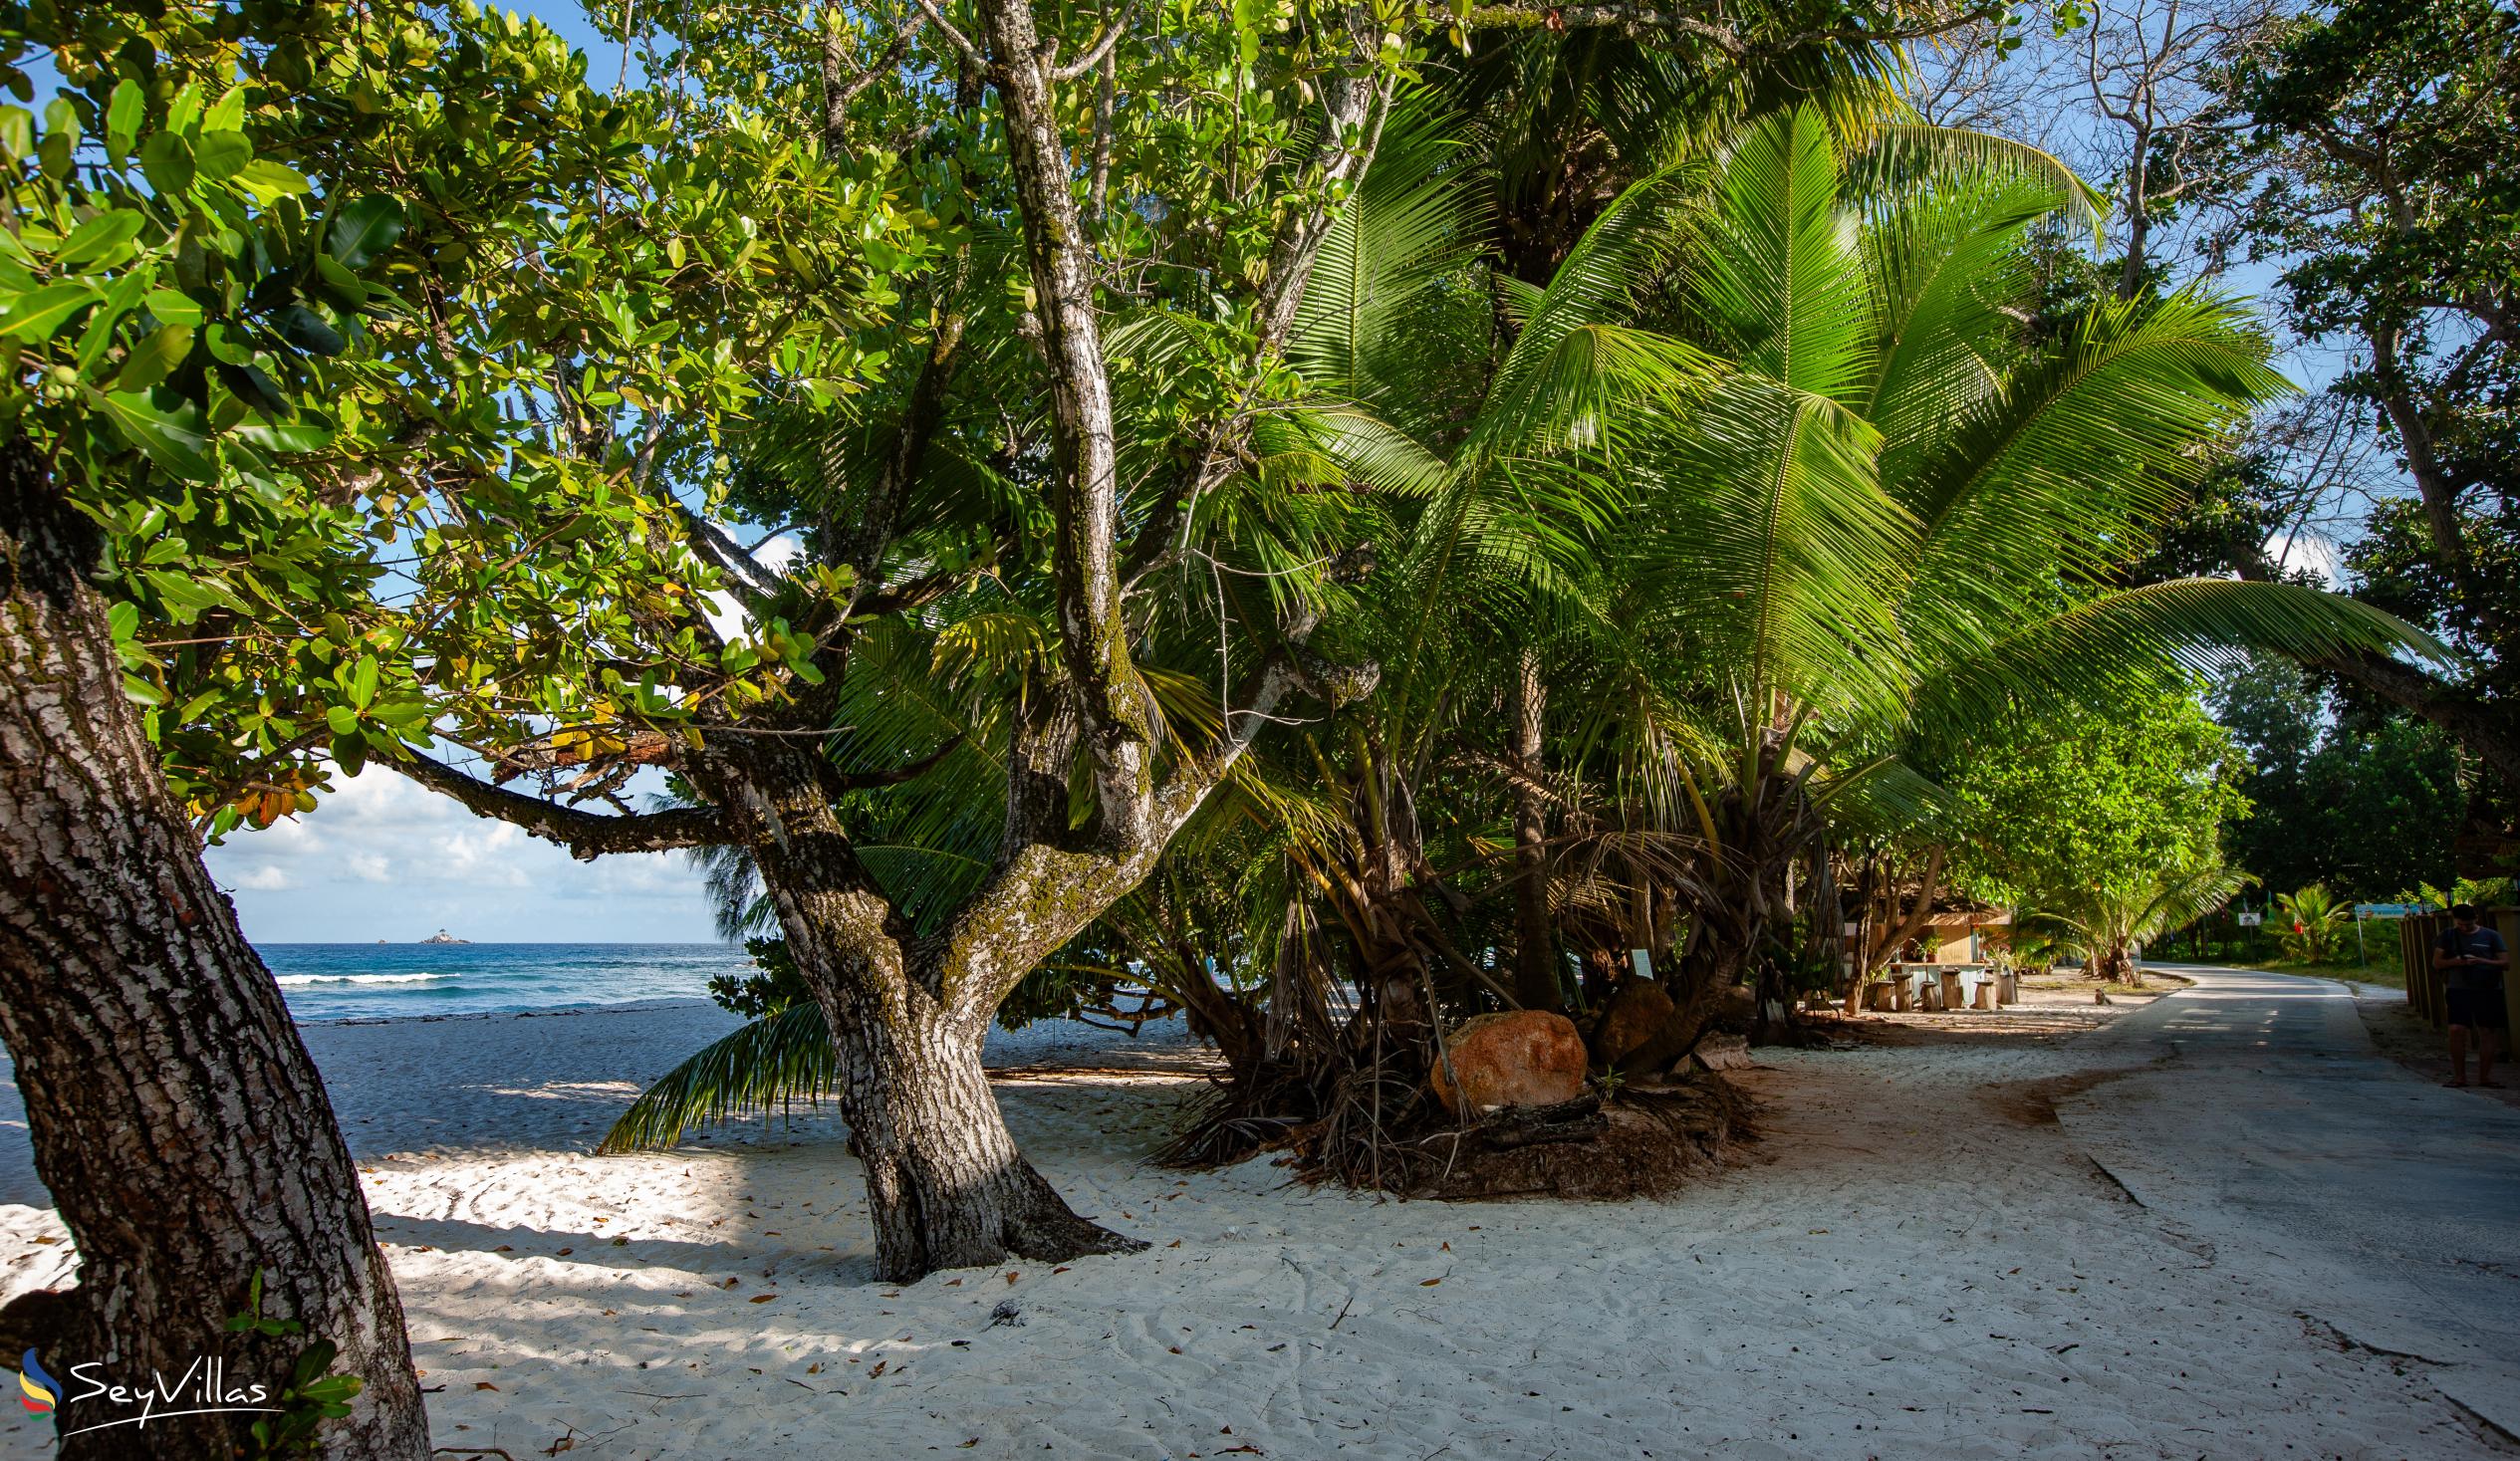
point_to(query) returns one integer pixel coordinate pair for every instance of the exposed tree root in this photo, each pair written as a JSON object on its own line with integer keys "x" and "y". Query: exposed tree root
{"x": 1642, "y": 1142}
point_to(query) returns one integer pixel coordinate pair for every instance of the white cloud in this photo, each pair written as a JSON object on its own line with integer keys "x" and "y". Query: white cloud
{"x": 2296, "y": 551}
{"x": 383, "y": 858}
{"x": 777, "y": 553}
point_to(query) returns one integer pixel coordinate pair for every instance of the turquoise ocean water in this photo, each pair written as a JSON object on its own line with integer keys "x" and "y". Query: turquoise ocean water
{"x": 347, "y": 981}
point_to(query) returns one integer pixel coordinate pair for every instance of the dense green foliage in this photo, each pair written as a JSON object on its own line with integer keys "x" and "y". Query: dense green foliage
{"x": 2077, "y": 801}
{"x": 2368, "y": 805}
{"x": 1755, "y": 497}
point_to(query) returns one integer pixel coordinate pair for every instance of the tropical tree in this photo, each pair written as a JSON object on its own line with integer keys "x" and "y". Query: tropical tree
{"x": 2307, "y": 920}
{"x": 177, "y": 303}
{"x": 2106, "y": 927}
{"x": 1882, "y": 528}
{"x": 635, "y": 323}
{"x": 2367, "y": 157}
{"x": 2091, "y": 815}
{"x": 1780, "y": 491}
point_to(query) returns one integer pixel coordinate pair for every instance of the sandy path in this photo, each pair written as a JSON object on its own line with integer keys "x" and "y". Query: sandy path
{"x": 1915, "y": 1261}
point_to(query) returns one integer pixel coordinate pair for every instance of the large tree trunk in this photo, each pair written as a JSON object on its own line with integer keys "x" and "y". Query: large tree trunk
{"x": 176, "y": 1120}
{"x": 1535, "y": 951}
{"x": 945, "y": 1186}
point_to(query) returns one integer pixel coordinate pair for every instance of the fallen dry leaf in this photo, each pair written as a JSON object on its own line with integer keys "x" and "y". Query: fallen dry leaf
{"x": 761, "y": 1297}
{"x": 483, "y": 1386}
{"x": 1428, "y": 1283}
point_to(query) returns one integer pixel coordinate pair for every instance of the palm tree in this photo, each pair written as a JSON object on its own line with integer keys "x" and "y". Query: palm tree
{"x": 1887, "y": 514}
{"x": 2104, "y": 925}
{"x": 2310, "y": 917}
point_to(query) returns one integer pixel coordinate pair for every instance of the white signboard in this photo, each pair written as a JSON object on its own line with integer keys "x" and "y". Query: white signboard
{"x": 2251, "y": 920}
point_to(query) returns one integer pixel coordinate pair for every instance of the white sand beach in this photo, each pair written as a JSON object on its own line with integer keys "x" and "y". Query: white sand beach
{"x": 1913, "y": 1261}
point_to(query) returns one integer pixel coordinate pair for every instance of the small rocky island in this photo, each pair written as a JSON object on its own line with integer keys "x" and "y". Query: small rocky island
{"x": 442, "y": 936}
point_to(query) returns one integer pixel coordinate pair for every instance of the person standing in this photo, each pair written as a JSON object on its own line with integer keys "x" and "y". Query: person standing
{"x": 2472, "y": 960}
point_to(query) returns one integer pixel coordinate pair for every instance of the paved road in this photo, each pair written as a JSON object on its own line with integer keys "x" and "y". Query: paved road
{"x": 2270, "y": 1128}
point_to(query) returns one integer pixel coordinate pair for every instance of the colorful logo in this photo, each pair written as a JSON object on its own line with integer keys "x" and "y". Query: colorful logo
{"x": 41, "y": 1392}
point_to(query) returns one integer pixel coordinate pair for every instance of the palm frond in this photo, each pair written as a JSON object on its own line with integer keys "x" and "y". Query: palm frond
{"x": 2136, "y": 640}
{"x": 1779, "y": 273}
{"x": 771, "y": 1063}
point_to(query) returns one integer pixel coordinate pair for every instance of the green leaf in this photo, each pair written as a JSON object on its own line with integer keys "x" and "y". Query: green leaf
{"x": 220, "y": 154}
{"x": 98, "y": 236}
{"x": 363, "y": 681}
{"x": 166, "y": 162}
{"x": 365, "y": 228}
{"x": 317, "y": 1359}
{"x": 122, "y": 118}
{"x": 174, "y": 438}
{"x": 154, "y": 359}
{"x": 36, "y": 316}
{"x": 307, "y": 331}
{"x": 309, "y": 432}
{"x": 337, "y": 284}
{"x": 271, "y": 181}
{"x": 171, "y": 306}
{"x": 343, "y": 720}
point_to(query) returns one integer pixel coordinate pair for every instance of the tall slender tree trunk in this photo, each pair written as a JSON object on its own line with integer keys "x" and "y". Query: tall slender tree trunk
{"x": 176, "y": 1120}
{"x": 1535, "y": 948}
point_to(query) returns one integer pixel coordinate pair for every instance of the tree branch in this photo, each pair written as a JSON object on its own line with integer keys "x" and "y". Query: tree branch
{"x": 961, "y": 42}
{"x": 584, "y": 833}
{"x": 1094, "y": 55}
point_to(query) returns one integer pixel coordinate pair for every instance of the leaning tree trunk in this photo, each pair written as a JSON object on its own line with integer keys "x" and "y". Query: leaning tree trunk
{"x": 175, "y": 1118}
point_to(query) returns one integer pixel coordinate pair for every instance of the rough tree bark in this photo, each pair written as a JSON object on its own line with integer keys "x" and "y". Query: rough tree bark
{"x": 946, "y": 1185}
{"x": 176, "y": 1116}
{"x": 1535, "y": 951}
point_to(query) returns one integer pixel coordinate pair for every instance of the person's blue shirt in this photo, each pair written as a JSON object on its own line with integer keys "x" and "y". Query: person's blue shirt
{"x": 2478, "y": 943}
